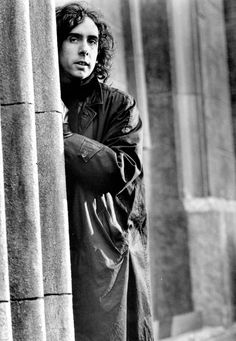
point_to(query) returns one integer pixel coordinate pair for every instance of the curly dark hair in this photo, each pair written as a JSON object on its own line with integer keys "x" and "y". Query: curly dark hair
{"x": 71, "y": 15}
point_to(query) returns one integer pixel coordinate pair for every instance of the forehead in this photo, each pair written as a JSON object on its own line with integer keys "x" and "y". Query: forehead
{"x": 87, "y": 27}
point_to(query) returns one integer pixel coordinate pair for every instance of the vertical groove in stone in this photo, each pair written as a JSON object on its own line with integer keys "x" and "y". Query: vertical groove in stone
{"x": 20, "y": 166}
{"x": 53, "y": 203}
{"x": 136, "y": 34}
{"x": 45, "y": 56}
{"x": 5, "y": 315}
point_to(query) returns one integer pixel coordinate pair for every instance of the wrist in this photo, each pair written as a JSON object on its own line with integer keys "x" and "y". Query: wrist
{"x": 66, "y": 131}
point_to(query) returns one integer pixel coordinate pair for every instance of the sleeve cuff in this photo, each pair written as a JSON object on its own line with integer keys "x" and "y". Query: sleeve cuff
{"x": 79, "y": 145}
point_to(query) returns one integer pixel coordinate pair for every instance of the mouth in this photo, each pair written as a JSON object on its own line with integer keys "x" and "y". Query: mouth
{"x": 82, "y": 63}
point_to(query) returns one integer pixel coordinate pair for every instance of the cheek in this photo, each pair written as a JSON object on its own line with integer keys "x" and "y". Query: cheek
{"x": 95, "y": 55}
{"x": 66, "y": 52}
{"x": 64, "y": 57}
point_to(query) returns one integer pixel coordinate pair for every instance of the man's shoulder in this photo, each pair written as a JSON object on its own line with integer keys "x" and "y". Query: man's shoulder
{"x": 122, "y": 105}
{"x": 112, "y": 93}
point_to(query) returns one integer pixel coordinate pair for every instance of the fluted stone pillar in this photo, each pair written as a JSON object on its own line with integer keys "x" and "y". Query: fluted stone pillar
{"x": 5, "y": 312}
{"x": 34, "y": 235}
{"x": 53, "y": 205}
{"x": 20, "y": 173}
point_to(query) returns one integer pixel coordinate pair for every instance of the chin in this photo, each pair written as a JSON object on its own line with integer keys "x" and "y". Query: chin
{"x": 79, "y": 76}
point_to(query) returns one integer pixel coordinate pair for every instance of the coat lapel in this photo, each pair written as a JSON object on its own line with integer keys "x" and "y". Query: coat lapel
{"x": 88, "y": 113}
{"x": 85, "y": 118}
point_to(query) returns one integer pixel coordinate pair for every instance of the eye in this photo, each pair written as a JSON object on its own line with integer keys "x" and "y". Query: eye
{"x": 93, "y": 41}
{"x": 73, "y": 39}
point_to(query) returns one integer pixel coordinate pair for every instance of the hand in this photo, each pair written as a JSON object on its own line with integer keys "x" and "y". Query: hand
{"x": 64, "y": 111}
{"x": 66, "y": 131}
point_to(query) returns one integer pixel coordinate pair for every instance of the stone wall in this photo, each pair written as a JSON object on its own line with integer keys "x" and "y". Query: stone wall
{"x": 193, "y": 165}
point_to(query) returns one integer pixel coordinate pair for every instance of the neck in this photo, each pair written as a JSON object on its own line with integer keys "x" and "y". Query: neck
{"x": 70, "y": 81}
{"x": 77, "y": 89}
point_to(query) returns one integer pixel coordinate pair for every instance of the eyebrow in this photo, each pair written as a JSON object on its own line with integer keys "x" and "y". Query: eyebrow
{"x": 77, "y": 35}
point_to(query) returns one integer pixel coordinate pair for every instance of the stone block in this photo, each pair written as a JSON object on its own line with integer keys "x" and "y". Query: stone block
{"x": 119, "y": 67}
{"x": 161, "y": 119}
{"x": 45, "y": 56}
{"x": 218, "y": 125}
{"x": 170, "y": 273}
{"x": 53, "y": 204}
{"x": 164, "y": 182}
{"x": 213, "y": 51}
{"x": 212, "y": 292}
{"x": 178, "y": 325}
{"x": 221, "y": 169}
{"x": 59, "y": 318}
{"x": 22, "y": 201}
{"x": 164, "y": 328}
{"x": 155, "y": 33}
{"x": 162, "y": 206}
{"x": 185, "y": 323}
{"x": 16, "y": 80}
{"x": 183, "y": 39}
{"x": 206, "y": 334}
{"x": 162, "y": 155}
{"x": 190, "y": 143}
{"x": 5, "y": 322}
{"x": 28, "y": 321}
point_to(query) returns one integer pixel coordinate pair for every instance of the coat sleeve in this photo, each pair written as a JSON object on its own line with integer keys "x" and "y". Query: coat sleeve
{"x": 112, "y": 165}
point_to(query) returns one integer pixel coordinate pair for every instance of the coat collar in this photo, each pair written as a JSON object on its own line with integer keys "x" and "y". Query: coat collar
{"x": 88, "y": 112}
{"x": 96, "y": 96}
{"x": 85, "y": 112}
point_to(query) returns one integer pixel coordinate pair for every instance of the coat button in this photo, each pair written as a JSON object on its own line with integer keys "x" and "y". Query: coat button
{"x": 84, "y": 153}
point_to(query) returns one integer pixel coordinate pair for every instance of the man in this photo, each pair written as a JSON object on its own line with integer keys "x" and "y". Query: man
{"x": 107, "y": 218}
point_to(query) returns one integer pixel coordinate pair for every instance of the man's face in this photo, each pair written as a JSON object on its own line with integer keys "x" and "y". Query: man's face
{"x": 78, "y": 53}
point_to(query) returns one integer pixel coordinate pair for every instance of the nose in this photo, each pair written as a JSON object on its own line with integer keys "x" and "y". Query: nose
{"x": 83, "y": 49}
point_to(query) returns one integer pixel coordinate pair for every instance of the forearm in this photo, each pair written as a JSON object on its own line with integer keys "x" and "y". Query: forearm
{"x": 98, "y": 166}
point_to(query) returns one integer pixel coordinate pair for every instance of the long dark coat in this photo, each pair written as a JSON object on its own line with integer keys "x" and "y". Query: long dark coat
{"x": 107, "y": 218}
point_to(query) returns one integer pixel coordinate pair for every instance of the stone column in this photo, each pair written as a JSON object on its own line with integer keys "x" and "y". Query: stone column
{"x": 5, "y": 312}
{"x": 170, "y": 272}
{"x": 20, "y": 173}
{"x": 136, "y": 78}
{"x": 205, "y": 153}
{"x": 135, "y": 61}
{"x": 53, "y": 202}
